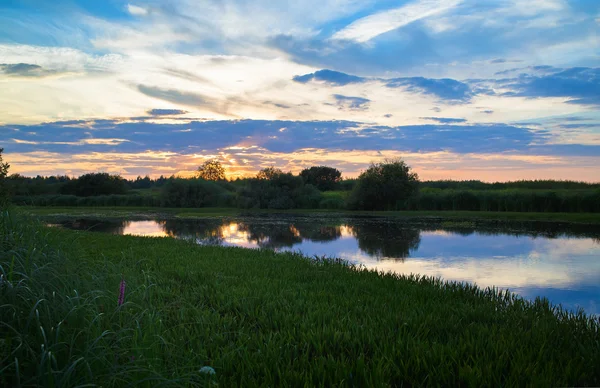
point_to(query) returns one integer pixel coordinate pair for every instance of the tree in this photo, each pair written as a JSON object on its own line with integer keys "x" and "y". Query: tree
{"x": 322, "y": 177}
{"x": 3, "y": 166}
{"x": 384, "y": 186}
{"x": 95, "y": 184}
{"x": 269, "y": 173}
{"x": 3, "y": 174}
{"x": 211, "y": 170}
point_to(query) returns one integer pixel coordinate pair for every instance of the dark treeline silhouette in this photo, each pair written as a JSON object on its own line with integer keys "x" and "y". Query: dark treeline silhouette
{"x": 532, "y": 184}
{"x": 390, "y": 185}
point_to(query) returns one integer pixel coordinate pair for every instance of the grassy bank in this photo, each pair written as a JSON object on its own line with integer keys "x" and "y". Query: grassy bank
{"x": 260, "y": 318}
{"x": 149, "y": 212}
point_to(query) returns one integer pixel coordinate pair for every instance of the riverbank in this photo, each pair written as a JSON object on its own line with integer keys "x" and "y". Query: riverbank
{"x": 183, "y": 213}
{"x": 260, "y": 318}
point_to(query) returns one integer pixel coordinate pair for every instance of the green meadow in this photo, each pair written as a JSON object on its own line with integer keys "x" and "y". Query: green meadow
{"x": 258, "y": 318}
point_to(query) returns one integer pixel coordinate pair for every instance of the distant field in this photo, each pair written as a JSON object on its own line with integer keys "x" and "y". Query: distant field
{"x": 145, "y": 212}
{"x": 261, "y": 318}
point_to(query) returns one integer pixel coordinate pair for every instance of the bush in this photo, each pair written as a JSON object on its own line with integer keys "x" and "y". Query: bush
{"x": 274, "y": 189}
{"x": 194, "y": 193}
{"x": 322, "y": 177}
{"x": 384, "y": 186}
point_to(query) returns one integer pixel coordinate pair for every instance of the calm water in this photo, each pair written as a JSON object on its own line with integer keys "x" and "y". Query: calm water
{"x": 531, "y": 259}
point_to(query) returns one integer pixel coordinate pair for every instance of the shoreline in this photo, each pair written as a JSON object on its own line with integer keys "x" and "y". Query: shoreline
{"x": 147, "y": 213}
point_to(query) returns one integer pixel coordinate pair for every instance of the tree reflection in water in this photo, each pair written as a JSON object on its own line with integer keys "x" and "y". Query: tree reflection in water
{"x": 386, "y": 240}
{"x": 379, "y": 238}
{"x": 271, "y": 235}
{"x": 113, "y": 227}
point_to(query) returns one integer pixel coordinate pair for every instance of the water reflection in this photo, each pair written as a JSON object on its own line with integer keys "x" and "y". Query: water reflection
{"x": 386, "y": 239}
{"x": 533, "y": 259}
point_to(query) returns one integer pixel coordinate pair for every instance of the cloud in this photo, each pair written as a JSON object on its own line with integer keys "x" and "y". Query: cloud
{"x": 166, "y": 112}
{"x": 24, "y": 70}
{"x": 444, "y": 120}
{"x": 240, "y": 161}
{"x": 579, "y": 84}
{"x": 136, "y": 10}
{"x": 277, "y": 104}
{"x": 351, "y": 103}
{"x": 175, "y": 96}
{"x": 367, "y": 28}
{"x": 449, "y": 90}
{"x": 140, "y": 135}
{"x": 331, "y": 77}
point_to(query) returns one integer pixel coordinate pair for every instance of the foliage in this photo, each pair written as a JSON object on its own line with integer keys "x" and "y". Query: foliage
{"x": 95, "y": 184}
{"x": 517, "y": 200}
{"x": 347, "y": 184}
{"x": 384, "y": 186}
{"x": 268, "y": 173}
{"x": 261, "y": 318}
{"x": 523, "y": 184}
{"x": 194, "y": 193}
{"x": 274, "y": 189}
{"x": 322, "y": 177}
{"x": 3, "y": 174}
{"x": 211, "y": 170}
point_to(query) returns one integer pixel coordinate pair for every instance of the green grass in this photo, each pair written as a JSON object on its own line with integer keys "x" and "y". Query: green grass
{"x": 145, "y": 212}
{"x": 260, "y": 318}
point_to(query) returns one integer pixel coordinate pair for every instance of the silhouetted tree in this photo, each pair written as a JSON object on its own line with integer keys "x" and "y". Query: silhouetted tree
{"x": 322, "y": 177}
{"x": 211, "y": 170}
{"x": 269, "y": 173}
{"x": 3, "y": 174}
{"x": 95, "y": 184}
{"x": 384, "y": 186}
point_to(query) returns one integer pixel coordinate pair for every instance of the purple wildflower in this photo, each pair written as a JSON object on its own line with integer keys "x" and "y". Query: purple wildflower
{"x": 122, "y": 292}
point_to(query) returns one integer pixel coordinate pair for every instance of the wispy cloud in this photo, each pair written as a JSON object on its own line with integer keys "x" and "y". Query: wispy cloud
{"x": 444, "y": 120}
{"x": 137, "y": 10}
{"x": 351, "y": 103}
{"x": 23, "y": 70}
{"x": 166, "y": 112}
{"x": 369, "y": 27}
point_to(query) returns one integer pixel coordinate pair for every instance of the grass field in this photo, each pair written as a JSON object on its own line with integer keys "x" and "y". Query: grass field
{"x": 148, "y": 212}
{"x": 260, "y": 318}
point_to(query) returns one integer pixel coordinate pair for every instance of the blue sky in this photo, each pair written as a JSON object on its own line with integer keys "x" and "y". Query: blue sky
{"x": 462, "y": 89}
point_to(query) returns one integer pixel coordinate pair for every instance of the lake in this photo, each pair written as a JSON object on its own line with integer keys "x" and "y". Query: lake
{"x": 557, "y": 261}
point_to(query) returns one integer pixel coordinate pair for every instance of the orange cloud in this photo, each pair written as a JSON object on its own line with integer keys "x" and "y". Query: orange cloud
{"x": 242, "y": 161}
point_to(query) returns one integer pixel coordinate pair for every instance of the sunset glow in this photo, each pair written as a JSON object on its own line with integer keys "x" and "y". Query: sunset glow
{"x": 461, "y": 89}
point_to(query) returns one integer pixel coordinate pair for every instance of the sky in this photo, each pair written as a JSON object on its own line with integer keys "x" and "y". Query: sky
{"x": 492, "y": 90}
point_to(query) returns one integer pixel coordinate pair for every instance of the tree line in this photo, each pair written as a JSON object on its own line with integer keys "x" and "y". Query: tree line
{"x": 389, "y": 185}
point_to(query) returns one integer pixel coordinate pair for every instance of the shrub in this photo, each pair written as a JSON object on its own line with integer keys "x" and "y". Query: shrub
{"x": 384, "y": 186}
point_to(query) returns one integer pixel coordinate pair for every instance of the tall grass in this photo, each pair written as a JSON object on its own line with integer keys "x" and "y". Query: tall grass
{"x": 261, "y": 318}
{"x": 514, "y": 200}
{"x": 61, "y": 325}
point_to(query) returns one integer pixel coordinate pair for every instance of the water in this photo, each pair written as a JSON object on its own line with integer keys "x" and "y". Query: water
{"x": 561, "y": 263}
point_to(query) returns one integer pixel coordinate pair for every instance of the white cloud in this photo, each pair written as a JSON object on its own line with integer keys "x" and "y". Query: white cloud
{"x": 374, "y": 25}
{"x": 136, "y": 10}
